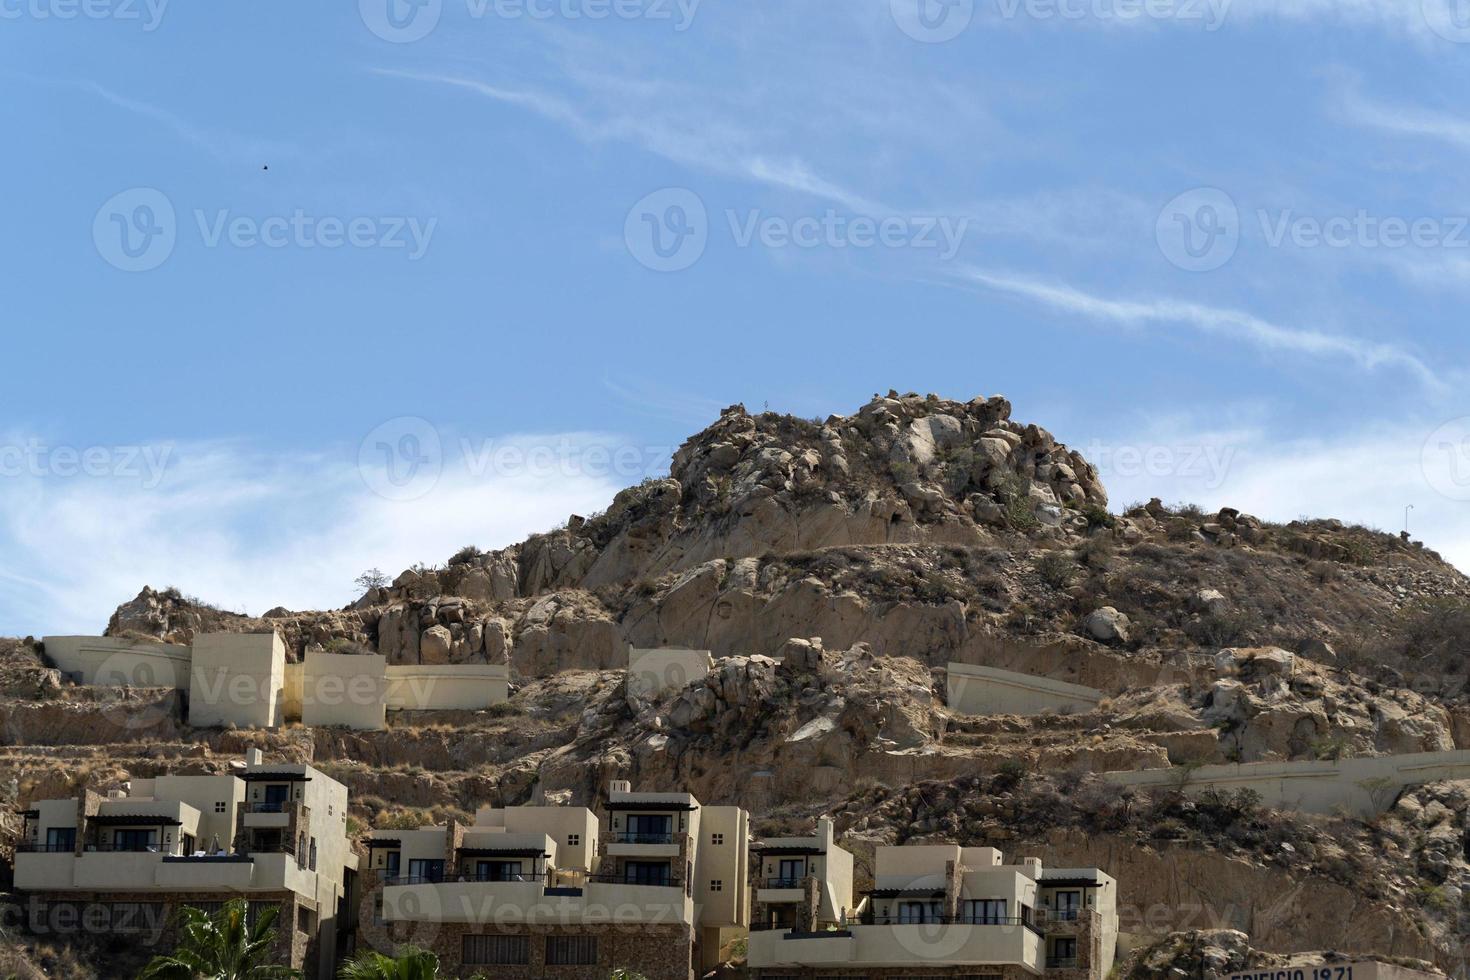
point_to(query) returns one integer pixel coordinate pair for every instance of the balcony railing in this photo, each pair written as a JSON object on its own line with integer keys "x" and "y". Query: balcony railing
{"x": 34, "y": 847}
{"x": 114, "y": 848}
{"x": 504, "y": 876}
{"x": 656, "y": 881}
{"x": 771, "y": 926}
{"x": 927, "y": 919}
{"x": 656, "y": 838}
{"x": 436, "y": 878}
{"x": 276, "y": 807}
{"x": 1060, "y": 915}
{"x": 783, "y": 882}
{"x": 1061, "y": 962}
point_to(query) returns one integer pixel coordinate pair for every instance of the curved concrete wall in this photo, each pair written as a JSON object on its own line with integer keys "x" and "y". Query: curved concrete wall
{"x": 111, "y": 661}
{"x": 1365, "y": 786}
{"x": 976, "y": 690}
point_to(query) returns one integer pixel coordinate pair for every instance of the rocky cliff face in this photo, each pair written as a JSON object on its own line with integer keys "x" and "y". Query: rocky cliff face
{"x": 835, "y": 568}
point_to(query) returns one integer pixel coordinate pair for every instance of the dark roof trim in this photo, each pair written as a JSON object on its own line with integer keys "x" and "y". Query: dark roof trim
{"x": 774, "y": 851}
{"x": 651, "y": 807}
{"x": 128, "y": 819}
{"x": 373, "y": 842}
{"x": 522, "y": 852}
{"x": 1046, "y": 882}
{"x": 275, "y": 777}
{"x": 907, "y": 893}
{"x": 31, "y": 814}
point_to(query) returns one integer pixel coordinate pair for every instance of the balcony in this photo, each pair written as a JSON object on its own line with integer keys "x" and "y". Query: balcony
{"x": 871, "y": 919}
{"x": 1062, "y": 963}
{"x": 780, "y": 891}
{"x": 657, "y": 838}
{"x": 599, "y": 900}
{"x": 34, "y": 847}
{"x": 641, "y": 844}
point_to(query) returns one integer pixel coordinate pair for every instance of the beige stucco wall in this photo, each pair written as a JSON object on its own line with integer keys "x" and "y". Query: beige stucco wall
{"x": 295, "y": 678}
{"x": 237, "y": 679}
{"x": 653, "y": 672}
{"x": 561, "y": 823}
{"x": 109, "y": 661}
{"x": 912, "y": 946}
{"x": 1363, "y": 786}
{"x": 447, "y": 687}
{"x": 727, "y": 863}
{"x": 975, "y": 690}
{"x": 344, "y": 689}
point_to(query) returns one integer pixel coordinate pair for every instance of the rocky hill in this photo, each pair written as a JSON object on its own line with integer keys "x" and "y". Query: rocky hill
{"x": 836, "y": 568}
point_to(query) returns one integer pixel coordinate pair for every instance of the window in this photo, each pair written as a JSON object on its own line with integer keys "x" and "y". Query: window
{"x": 1063, "y": 952}
{"x": 498, "y": 871}
{"x": 277, "y": 795}
{"x": 792, "y": 871}
{"x": 571, "y": 950}
{"x": 312, "y": 862}
{"x": 134, "y": 840}
{"x": 986, "y": 911}
{"x": 61, "y": 838}
{"x": 647, "y": 873}
{"x": 219, "y": 807}
{"x": 574, "y": 840}
{"x": 497, "y": 950}
{"x": 305, "y": 920}
{"x": 915, "y": 912}
{"x": 717, "y": 885}
{"x": 378, "y": 909}
{"x": 717, "y": 839}
{"x": 423, "y": 870}
{"x": 646, "y": 828}
{"x": 390, "y": 863}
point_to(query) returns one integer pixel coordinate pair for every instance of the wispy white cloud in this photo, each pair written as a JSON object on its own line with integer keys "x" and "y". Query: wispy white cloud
{"x": 1404, "y": 120}
{"x": 1365, "y": 477}
{"x": 249, "y": 530}
{"x": 710, "y": 147}
{"x": 225, "y": 144}
{"x": 1235, "y": 324}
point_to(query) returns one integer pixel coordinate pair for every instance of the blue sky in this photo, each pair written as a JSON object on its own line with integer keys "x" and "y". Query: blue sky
{"x": 270, "y": 247}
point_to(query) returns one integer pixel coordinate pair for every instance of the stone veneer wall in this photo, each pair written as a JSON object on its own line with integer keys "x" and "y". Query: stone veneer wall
{"x": 883, "y": 973}
{"x": 291, "y": 945}
{"x": 660, "y": 952}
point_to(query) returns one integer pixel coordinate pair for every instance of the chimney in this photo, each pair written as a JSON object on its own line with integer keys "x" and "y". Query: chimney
{"x": 620, "y": 786}
{"x": 1032, "y": 866}
{"x": 826, "y": 831}
{"x": 254, "y": 757}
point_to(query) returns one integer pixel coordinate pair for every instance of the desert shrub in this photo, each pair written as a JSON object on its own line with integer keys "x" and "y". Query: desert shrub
{"x": 467, "y": 555}
{"x": 1096, "y": 552}
{"x": 1098, "y": 518}
{"x": 1056, "y": 569}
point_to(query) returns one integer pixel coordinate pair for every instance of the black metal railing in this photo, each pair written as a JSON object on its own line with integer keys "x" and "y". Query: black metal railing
{"x": 36, "y": 847}
{"x": 274, "y": 807}
{"x": 783, "y": 882}
{"x": 1061, "y": 962}
{"x": 1060, "y": 915}
{"x": 927, "y": 919}
{"x": 115, "y": 848}
{"x": 771, "y": 926}
{"x": 505, "y": 876}
{"x": 656, "y": 881}
{"x": 434, "y": 878}
{"x": 641, "y": 838}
